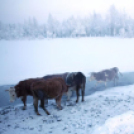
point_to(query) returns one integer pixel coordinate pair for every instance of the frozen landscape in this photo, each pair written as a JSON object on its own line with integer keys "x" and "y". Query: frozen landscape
{"x": 44, "y": 37}
{"x": 109, "y": 110}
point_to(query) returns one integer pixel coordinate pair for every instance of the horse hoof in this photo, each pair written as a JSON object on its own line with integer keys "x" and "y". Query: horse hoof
{"x": 38, "y": 114}
{"x": 24, "y": 108}
{"x": 48, "y": 113}
{"x": 41, "y": 106}
{"x": 60, "y": 108}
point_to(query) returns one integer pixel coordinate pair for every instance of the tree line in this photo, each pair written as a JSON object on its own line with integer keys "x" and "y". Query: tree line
{"x": 114, "y": 24}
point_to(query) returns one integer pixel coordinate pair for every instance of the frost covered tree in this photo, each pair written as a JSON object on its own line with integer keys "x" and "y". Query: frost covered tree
{"x": 1, "y": 30}
{"x": 78, "y": 29}
{"x": 114, "y": 23}
{"x": 113, "y": 19}
{"x": 51, "y": 26}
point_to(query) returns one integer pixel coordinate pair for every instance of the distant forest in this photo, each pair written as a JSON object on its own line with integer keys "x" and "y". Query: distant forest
{"x": 114, "y": 24}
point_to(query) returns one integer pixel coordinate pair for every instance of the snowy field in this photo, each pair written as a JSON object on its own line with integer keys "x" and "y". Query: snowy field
{"x": 105, "y": 111}
{"x": 36, "y": 58}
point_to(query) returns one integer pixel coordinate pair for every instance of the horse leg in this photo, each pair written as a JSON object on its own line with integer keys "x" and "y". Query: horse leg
{"x": 36, "y": 105}
{"x": 58, "y": 102}
{"x": 41, "y": 102}
{"x": 24, "y": 98}
{"x": 83, "y": 92}
{"x": 105, "y": 84}
{"x": 114, "y": 82}
{"x": 43, "y": 107}
{"x": 77, "y": 93}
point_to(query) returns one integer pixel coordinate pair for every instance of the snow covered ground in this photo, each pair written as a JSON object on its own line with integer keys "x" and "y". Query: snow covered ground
{"x": 35, "y": 58}
{"x": 105, "y": 112}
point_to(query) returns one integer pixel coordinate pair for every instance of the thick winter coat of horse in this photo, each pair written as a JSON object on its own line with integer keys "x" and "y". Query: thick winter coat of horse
{"x": 22, "y": 89}
{"x": 74, "y": 81}
{"x": 52, "y": 88}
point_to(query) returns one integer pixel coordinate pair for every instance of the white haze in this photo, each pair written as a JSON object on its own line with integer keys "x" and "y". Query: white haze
{"x": 17, "y": 10}
{"x": 35, "y": 58}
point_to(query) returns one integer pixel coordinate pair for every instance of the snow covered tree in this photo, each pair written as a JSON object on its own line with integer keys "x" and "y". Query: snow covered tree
{"x": 113, "y": 19}
{"x": 51, "y": 26}
{"x": 114, "y": 23}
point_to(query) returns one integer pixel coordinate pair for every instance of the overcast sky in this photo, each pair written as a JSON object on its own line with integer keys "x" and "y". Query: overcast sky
{"x": 18, "y": 10}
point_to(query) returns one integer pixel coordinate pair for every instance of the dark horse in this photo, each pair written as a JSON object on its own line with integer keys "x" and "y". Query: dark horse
{"x": 75, "y": 80}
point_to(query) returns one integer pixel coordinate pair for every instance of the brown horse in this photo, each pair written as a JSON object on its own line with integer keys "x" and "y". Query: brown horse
{"x": 52, "y": 88}
{"x": 22, "y": 89}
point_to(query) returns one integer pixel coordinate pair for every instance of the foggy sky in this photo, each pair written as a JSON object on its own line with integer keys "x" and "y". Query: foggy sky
{"x": 18, "y": 10}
